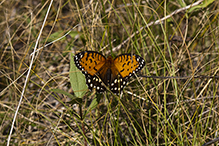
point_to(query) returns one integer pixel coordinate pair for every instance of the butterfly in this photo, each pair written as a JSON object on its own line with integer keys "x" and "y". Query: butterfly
{"x": 102, "y": 72}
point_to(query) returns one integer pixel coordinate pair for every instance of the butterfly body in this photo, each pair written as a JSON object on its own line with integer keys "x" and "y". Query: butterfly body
{"x": 102, "y": 72}
{"x": 108, "y": 72}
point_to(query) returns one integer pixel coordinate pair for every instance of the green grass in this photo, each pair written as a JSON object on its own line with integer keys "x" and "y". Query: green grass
{"x": 150, "y": 112}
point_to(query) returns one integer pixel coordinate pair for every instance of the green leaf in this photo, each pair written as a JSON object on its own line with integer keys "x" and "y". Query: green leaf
{"x": 74, "y": 33}
{"x": 75, "y": 100}
{"x": 181, "y": 3}
{"x": 63, "y": 92}
{"x": 93, "y": 105}
{"x": 77, "y": 80}
{"x": 59, "y": 34}
{"x": 55, "y": 36}
{"x": 204, "y": 4}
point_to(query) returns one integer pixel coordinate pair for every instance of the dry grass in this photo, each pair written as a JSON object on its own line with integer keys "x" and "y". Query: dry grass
{"x": 161, "y": 112}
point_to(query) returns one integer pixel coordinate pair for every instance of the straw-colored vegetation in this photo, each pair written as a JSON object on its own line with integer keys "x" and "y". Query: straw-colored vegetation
{"x": 175, "y": 38}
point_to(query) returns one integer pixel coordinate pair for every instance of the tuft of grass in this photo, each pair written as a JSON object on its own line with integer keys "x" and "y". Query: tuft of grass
{"x": 175, "y": 39}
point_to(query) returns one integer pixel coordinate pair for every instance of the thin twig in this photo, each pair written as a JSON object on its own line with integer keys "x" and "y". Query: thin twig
{"x": 155, "y": 23}
{"x": 185, "y": 77}
{"x": 28, "y": 74}
{"x": 211, "y": 142}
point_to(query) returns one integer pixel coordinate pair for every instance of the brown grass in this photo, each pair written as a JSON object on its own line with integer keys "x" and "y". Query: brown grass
{"x": 161, "y": 112}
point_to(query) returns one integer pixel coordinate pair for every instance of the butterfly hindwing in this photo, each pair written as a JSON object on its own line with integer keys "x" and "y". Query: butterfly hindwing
{"x": 94, "y": 82}
{"x": 118, "y": 84}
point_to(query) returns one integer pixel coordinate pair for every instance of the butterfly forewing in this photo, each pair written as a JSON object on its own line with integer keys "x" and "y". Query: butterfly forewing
{"x": 90, "y": 62}
{"x": 128, "y": 64}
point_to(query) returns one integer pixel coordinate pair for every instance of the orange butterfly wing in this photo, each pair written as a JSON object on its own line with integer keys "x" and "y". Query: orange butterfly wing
{"x": 90, "y": 62}
{"x": 125, "y": 66}
{"x": 128, "y": 64}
